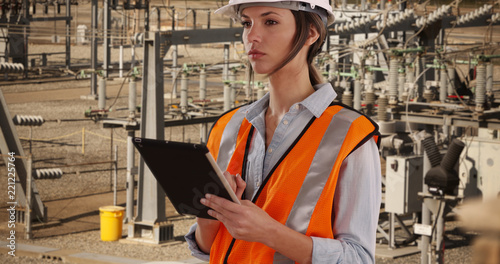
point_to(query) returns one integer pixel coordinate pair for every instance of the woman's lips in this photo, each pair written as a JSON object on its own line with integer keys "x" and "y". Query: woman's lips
{"x": 255, "y": 54}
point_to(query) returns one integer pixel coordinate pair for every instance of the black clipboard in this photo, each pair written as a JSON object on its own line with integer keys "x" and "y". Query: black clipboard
{"x": 186, "y": 172}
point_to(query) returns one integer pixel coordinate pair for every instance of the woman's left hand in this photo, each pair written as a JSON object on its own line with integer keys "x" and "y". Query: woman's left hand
{"x": 245, "y": 222}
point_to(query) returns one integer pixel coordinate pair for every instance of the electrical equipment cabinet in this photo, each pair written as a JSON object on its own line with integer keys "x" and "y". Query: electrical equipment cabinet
{"x": 479, "y": 169}
{"x": 403, "y": 182}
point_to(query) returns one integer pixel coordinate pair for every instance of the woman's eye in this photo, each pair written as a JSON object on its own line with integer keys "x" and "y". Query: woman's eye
{"x": 245, "y": 24}
{"x": 271, "y": 22}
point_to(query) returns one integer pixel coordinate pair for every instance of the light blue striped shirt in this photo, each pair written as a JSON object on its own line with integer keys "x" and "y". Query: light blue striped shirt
{"x": 358, "y": 193}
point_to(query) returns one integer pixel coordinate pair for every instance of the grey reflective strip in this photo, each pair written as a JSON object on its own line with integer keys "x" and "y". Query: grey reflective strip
{"x": 280, "y": 259}
{"x": 228, "y": 140}
{"x": 320, "y": 170}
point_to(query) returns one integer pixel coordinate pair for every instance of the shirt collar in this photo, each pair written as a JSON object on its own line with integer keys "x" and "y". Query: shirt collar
{"x": 316, "y": 103}
{"x": 319, "y": 100}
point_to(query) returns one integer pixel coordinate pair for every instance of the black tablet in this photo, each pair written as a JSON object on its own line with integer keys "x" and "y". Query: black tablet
{"x": 186, "y": 172}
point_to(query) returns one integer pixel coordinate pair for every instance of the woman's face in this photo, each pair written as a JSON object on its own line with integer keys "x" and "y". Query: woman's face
{"x": 267, "y": 36}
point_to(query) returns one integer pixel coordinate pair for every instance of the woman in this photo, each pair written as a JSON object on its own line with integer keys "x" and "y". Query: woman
{"x": 310, "y": 170}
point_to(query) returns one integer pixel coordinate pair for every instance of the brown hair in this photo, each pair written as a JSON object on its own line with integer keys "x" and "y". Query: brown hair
{"x": 303, "y": 21}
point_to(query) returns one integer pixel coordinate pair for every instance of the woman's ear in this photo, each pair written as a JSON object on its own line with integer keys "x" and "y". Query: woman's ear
{"x": 313, "y": 35}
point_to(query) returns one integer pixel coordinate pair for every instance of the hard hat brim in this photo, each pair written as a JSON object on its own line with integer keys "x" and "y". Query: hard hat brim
{"x": 231, "y": 9}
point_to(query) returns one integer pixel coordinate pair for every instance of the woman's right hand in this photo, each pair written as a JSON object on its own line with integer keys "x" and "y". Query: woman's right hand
{"x": 207, "y": 228}
{"x": 236, "y": 182}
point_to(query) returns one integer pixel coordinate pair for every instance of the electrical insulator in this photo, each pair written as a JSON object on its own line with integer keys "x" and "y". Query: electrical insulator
{"x": 476, "y": 14}
{"x": 495, "y": 17}
{"x": 41, "y": 174}
{"x": 347, "y": 98}
{"x": 432, "y": 151}
{"x": 28, "y": 120}
{"x": 370, "y": 98}
{"x": 138, "y": 39}
{"x": 480, "y": 92}
{"x": 393, "y": 81}
{"x": 382, "y": 108}
{"x": 428, "y": 95}
{"x": 11, "y": 67}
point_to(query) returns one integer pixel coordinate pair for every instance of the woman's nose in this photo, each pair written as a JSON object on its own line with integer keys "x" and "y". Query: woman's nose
{"x": 253, "y": 34}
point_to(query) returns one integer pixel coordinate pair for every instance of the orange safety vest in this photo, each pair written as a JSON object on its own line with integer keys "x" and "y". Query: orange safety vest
{"x": 302, "y": 200}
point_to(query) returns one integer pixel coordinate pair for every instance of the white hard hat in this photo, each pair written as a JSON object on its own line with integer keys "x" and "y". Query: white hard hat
{"x": 232, "y": 9}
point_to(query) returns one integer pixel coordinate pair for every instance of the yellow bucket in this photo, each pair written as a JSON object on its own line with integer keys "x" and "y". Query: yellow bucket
{"x": 111, "y": 222}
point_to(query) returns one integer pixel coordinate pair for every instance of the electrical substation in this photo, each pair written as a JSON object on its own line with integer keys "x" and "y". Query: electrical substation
{"x": 425, "y": 71}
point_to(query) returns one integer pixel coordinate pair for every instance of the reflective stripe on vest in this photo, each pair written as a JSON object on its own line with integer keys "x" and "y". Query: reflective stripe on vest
{"x": 296, "y": 199}
{"x": 222, "y": 136}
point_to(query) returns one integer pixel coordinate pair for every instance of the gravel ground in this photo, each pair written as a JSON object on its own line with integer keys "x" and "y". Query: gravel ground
{"x": 90, "y": 242}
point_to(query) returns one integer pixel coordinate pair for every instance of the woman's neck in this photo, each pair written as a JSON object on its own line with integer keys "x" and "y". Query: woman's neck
{"x": 288, "y": 88}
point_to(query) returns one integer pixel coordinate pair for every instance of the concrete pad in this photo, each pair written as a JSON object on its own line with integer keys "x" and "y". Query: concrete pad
{"x": 26, "y": 250}
{"x": 384, "y": 251}
{"x": 27, "y": 247}
{"x": 59, "y": 255}
{"x": 100, "y": 258}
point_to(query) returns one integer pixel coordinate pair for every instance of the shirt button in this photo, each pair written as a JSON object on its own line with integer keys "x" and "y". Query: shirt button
{"x": 270, "y": 150}
{"x": 285, "y": 122}
{"x": 297, "y": 107}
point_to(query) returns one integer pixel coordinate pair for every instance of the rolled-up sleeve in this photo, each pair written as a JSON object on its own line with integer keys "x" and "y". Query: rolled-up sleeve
{"x": 193, "y": 246}
{"x": 356, "y": 210}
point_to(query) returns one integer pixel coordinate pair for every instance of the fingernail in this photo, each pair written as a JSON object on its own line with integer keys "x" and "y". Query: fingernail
{"x": 208, "y": 196}
{"x": 238, "y": 175}
{"x": 203, "y": 200}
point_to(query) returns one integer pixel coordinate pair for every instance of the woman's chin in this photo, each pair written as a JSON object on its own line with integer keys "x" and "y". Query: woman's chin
{"x": 260, "y": 70}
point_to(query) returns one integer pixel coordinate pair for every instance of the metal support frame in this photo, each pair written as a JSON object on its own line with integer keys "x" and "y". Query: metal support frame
{"x": 487, "y": 120}
{"x": 225, "y": 71}
{"x": 9, "y": 142}
{"x": 68, "y": 34}
{"x": 26, "y": 14}
{"x": 200, "y": 36}
{"x": 391, "y": 225}
{"x": 93, "y": 49}
{"x": 26, "y": 18}
{"x": 439, "y": 206}
{"x": 130, "y": 177}
{"x": 149, "y": 222}
{"x": 29, "y": 198}
{"x": 106, "y": 40}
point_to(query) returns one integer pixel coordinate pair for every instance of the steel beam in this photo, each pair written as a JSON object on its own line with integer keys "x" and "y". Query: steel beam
{"x": 50, "y": 19}
{"x": 451, "y": 120}
{"x": 106, "y": 40}
{"x": 9, "y": 142}
{"x": 68, "y": 34}
{"x": 93, "y": 49}
{"x": 200, "y": 36}
{"x": 114, "y": 123}
{"x": 147, "y": 224}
